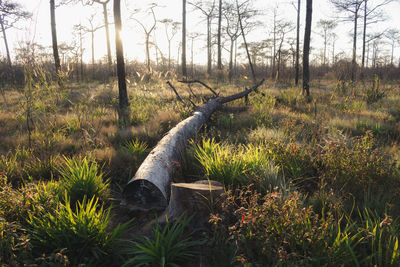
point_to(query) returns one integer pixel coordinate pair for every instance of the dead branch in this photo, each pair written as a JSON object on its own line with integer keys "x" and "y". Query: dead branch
{"x": 176, "y": 93}
{"x": 200, "y": 82}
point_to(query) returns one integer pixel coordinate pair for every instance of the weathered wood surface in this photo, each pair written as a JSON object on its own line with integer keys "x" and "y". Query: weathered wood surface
{"x": 193, "y": 199}
{"x": 149, "y": 189}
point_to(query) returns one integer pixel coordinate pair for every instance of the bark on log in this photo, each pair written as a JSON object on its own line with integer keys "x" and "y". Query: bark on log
{"x": 149, "y": 189}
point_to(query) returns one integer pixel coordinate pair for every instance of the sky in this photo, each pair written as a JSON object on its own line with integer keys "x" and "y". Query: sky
{"x": 38, "y": 28}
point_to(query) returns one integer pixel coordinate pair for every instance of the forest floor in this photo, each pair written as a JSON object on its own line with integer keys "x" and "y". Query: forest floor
{"x": 307, "y": 183}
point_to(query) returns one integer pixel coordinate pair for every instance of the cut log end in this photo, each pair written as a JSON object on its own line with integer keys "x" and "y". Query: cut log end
{"x": 194, "y": 199}
{"x": 142, "y": 195}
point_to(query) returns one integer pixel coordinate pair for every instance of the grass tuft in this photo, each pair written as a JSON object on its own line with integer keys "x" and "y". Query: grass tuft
{"x": 82, "y": 178}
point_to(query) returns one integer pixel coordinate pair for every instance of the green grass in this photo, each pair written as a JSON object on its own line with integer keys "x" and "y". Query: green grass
{"x": 239, "y": 166}
{"x": 135, "y": 148}
{"x": 314, "y": 165}
{"x": 167, "y": 246}
{"x": 82, "y": 230}
{"x": 82, "y": 178}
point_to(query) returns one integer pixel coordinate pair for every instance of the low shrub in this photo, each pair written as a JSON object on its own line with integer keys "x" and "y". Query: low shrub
{"x": 17, "y": 204}
{"x": 14, "y": 243}
{"x": 296, "y": 162}
{"x": 279, "y": 230}
{"x": 276, "y": 230}
{"x": 356, "y": 166}
{"x": 22, "y": 165}
{"x": 375, "y": 92}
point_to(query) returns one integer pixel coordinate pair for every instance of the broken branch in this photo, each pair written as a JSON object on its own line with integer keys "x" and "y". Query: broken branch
{"x": 200, "y": 82}
{"x": 176, "y": 93}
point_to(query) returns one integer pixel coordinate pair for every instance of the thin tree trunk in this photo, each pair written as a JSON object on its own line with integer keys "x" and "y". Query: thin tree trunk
{"x": 219, "y": 62}
{"x": 106, "y": 24}
{"x": 235, "y": 64}
{"x": 81, "y": 50}
{"x": 353, "y": 62}
{"x": 274, "y": 46}
{"x": 54, "y": 36}
{"x": 92, "y": 35}
{"x": 169, "y": 54}
{"x": 147, "y": 52}
{"x": 184, "y": 70}
{"x": 192, "y": 66}
{"x": 209, "y": 45}
{"x": 245, "y": 43}
{"x": 231, "y": 60}
{"x": 297, "y": 45}
{"x": 5, "y": 41}
{"x": 364, "y": 39}
{"x": 306, "y": 50}
{"x": 325, "y": 44}
{"x": 123, "y": 113}
{"x": 391, "y": 58}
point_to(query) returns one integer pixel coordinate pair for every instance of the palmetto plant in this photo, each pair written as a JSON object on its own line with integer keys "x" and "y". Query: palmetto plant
{"x": 81, "y": 177}
{"x": 167, "y": 246}
{"x": 135, "y": 147}
{"x": 82, "y": 231}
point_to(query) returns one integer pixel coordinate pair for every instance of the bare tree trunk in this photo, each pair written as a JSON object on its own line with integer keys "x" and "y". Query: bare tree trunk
{"x": 364, "y": 38}
{"x": 54, "y": 36}
{"x": 184, "y": 70}
{"x": 81, "y": 51}
{"x": 391, "y": 58}
{"x": 245, "y": 43}
{"x": 219, "y": 62}
{"x": 306, "y": 50}
{"x": 353, "y": 61}
{"x": 325, "y": 44}
{"x": 231, "y": 60}
{"x": 148, "y": 52}
{"x": 191, "y": 59}
{"x": 297, "y": 45}
{"x": 92, "y": 35}
{"x": 123, "y": 112}
{"x": 235, "y": 64}
{"x": 333, "y": 52}
{"x": 5, "y": 41}
{"x": 209, "y": 45}
{"x": 169, "y": 54}
{"x": 106, "y": 24}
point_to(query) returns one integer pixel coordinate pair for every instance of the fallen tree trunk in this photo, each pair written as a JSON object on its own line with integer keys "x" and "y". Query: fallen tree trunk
{"x": 149, "y": 189}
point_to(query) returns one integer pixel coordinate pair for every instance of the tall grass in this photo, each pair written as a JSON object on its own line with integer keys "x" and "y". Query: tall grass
{"x": 239, "y": 166}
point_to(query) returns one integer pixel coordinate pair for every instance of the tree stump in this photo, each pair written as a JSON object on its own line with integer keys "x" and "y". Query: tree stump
{"x": 195, "y": 199}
